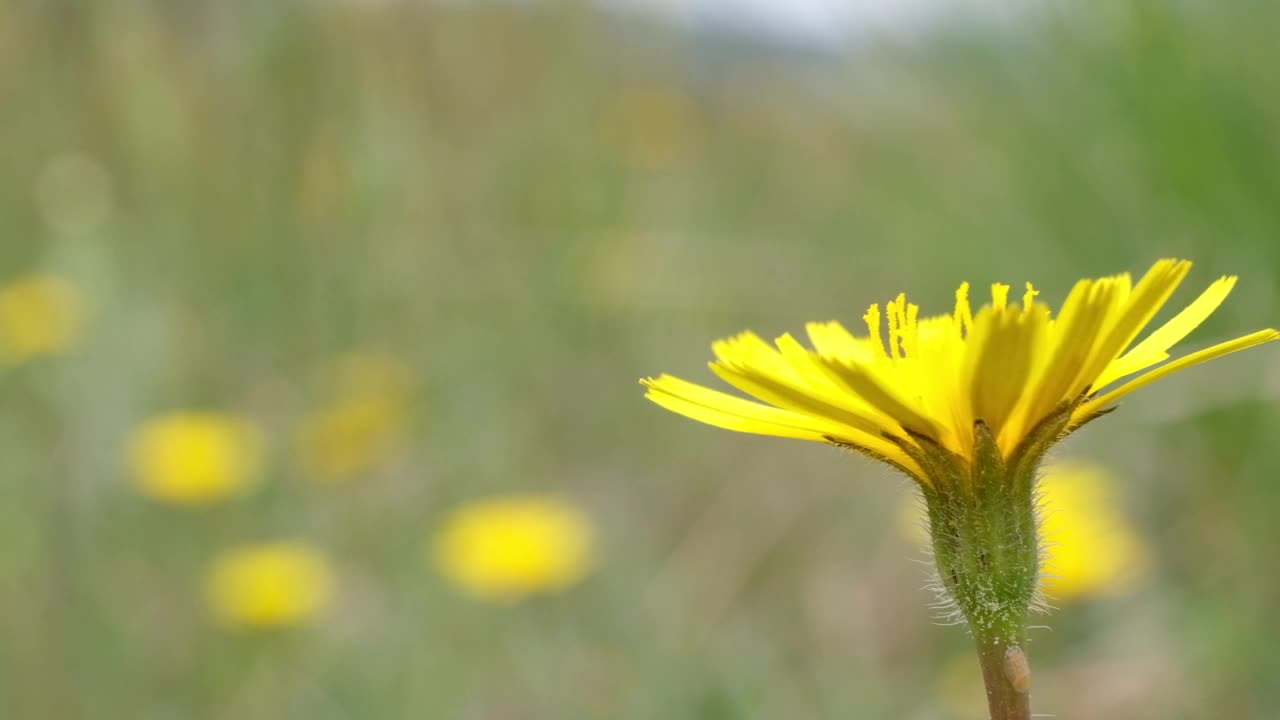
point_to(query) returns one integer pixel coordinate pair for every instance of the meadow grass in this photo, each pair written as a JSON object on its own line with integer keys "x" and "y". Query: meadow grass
{"x": 534, "y": 207}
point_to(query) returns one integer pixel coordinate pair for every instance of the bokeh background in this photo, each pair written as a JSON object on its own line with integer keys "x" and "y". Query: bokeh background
{"x": 501, "y": 215}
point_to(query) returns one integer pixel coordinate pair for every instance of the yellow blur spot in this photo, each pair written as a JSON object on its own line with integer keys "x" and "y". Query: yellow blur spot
{"x": 363, "y": 421}
{"x": 39, "y": 315}
{"x": 1091, "y": 547}
{"x": 504, "y": 549}
{"x": 269, "y": 586}
{"x": 191, "y": 458}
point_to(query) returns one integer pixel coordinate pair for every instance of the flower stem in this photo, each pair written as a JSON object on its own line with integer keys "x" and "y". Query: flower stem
{"x": 1007, "y": 677}
{"x": 983, "y": 523}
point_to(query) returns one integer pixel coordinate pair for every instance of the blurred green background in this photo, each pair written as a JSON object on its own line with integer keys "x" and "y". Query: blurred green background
{"x": 533, "y": 206}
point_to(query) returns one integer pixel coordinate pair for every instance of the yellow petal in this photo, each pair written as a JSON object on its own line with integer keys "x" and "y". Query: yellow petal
{"x": 1182, "y": 363}
{"x": 733, "y": 413}
{"x": 795, "y": 396}
{"x": 1000, "y": 361}
{"x": 1072, "y": 338}
{"x": 832, "y": 338}
{"x": 1151, "y": 293}
{"x": 859, "y": 380}
{"x": 803, "y": 363}
{"x": 749, "y": 349}
{"x": 1155, "y": 347}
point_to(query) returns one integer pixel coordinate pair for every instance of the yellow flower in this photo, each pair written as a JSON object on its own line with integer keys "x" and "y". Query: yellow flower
{"x": 1090, "y": 546}
{"x": 363, "y": 422}
{"x": 269, "y": 586}
{"x": 506, "y": 548}
{"x": 191, "y": 458}
{"x": 39, "y": 315}
{"x": 929, "y": 380}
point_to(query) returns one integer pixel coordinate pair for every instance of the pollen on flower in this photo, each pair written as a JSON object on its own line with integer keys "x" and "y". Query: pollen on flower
{"x": 872, "y": 319}
{"x": 911, "y": 331}
{"x": 504, "y": 549}
{"x": 195, "y": 458}
{"x": 1030, "y": 296}
{"x": 273, "y": 585}
{"x": 963, "y": 316}
{"x": 1000, "y": 295}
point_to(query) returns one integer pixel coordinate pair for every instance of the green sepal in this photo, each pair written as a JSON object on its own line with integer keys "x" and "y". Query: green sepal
{"x": 1025, "y": 458}
{"x": 983, "y": 527}
{"x": 877, "y": 457}
{"x": 947, "y": 471}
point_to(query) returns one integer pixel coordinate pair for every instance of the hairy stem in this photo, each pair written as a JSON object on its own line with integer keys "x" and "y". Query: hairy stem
{"x": 982, "y": 521}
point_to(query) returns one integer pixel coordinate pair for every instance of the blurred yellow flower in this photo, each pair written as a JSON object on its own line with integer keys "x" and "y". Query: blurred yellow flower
{"x": 504, "y": 549}
{"x": 1091, "y": 548}
{"x": 269, "y": 586}
{"x": 194, "y": 458}
{"x": 363, "y": 422}
{"x": 39, "y": 315}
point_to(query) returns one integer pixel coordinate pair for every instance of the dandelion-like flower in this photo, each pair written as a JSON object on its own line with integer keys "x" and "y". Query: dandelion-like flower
{"x": 504, "y": 549}
{"x": 966, "y": 404}
{"x": 39, "y": 315}
{"x": 273, "y": 585}
{"x": 1011, "y": 366}
{"x": 195, "y": 458}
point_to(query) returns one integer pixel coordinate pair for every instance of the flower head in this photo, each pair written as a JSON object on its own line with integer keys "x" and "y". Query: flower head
{"x": 503, "y": 549}
{"x": 39, "y": 315}
{"x": 195, "y": 458}
{"x": 269, "y": 586}
{"x": 1012, "y": 367}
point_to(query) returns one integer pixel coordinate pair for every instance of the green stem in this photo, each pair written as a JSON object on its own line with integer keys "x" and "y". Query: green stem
{"x": 983, "y": 523}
